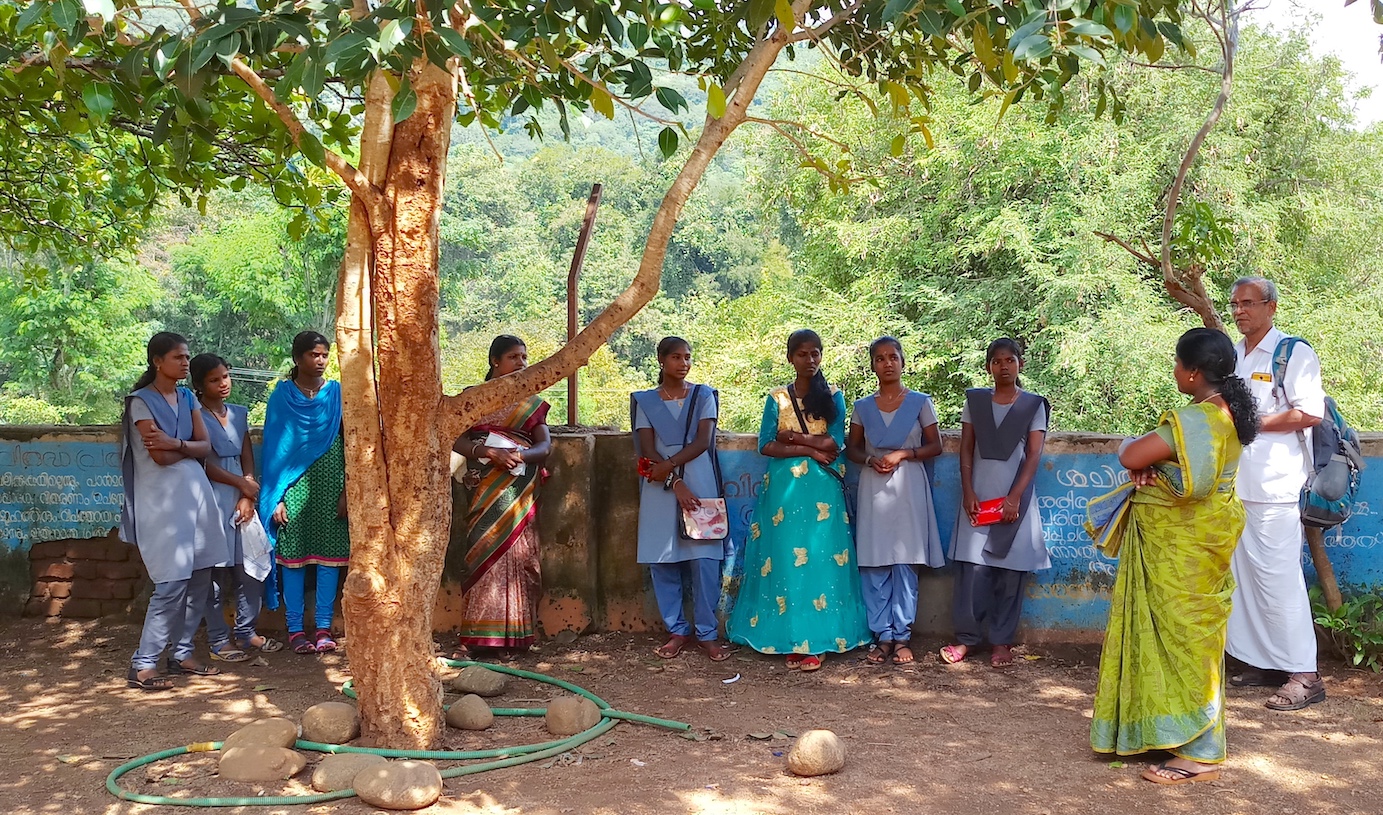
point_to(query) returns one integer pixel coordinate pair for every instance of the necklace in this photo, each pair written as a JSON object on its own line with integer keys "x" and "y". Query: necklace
{"x": 1207, "y": 398}
{"x": 668, "y": 396}
{"x": 220, "y": 414}
{"x": 310, "y": 393}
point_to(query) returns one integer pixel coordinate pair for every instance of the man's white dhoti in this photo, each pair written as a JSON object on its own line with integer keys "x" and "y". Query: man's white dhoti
{"x": 1270, "y": 625}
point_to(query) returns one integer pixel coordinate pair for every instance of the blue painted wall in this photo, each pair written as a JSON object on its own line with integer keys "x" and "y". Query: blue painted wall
{"x": 70, "y": 488}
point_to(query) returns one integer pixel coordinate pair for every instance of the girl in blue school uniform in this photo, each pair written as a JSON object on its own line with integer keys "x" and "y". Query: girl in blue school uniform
{"x": 674, "y": 435}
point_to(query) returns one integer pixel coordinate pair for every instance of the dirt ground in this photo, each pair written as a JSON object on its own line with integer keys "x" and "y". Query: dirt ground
{"x": 933, "y": 739}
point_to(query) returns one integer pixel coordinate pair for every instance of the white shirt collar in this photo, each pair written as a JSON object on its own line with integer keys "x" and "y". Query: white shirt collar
{"x": 1268, "y": 343}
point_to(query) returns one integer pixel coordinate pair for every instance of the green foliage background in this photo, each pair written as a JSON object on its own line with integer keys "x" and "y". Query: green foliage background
{"x": 989, "y": 232}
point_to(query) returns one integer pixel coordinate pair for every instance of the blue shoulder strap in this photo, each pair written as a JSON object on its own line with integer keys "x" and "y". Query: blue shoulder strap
{"x": 1282, "y": 354}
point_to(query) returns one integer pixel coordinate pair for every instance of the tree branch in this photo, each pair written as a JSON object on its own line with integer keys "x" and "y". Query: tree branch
{"x": 818, "y": 31}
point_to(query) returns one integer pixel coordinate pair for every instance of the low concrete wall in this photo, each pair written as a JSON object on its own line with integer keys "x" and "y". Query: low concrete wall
{"x": 61, "y": 484}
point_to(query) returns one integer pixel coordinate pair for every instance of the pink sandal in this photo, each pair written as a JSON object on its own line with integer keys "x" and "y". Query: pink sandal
{"x": 325, "y": 644}
{"x": 300, "y": 644}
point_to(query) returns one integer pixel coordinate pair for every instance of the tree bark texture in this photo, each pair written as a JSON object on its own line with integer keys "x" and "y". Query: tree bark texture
{"x": 399, "y": 426}
{"x": 400, "y": 500}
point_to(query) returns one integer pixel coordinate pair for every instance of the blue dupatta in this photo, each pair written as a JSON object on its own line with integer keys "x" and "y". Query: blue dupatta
{"x": 297, "y": 432}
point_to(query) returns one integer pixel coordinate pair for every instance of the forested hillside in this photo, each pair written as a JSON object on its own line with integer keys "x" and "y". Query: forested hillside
{"x": 990, "y": 232}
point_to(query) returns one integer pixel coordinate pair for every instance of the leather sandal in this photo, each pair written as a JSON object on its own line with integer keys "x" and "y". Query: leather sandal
{"x": 1298, "y": 692}
{"x": 673, "y": 647}
{"x": 716, "y": 651}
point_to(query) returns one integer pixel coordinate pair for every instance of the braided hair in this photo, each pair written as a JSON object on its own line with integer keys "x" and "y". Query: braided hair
{"x": 1212, "y": 354}
{"x": 818, "y": 402}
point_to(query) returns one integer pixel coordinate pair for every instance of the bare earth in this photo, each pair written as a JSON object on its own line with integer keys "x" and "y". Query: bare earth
{"x": 934, "y": 739}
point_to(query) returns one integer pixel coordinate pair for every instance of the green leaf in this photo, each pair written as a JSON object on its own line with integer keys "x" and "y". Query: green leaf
{"x": 394, "y": 33}
{"x": 455, "y": 42}
{"x": 782, "y": 9}
{"x": 160, "y": 132}
{"x": 66, "y": 14}
{"x": 715, "y": 101}
{"x": 311, "y": 147}
{"x": 602, "y": 102}
{"x": 1085, "y": 52}
{"x": 759, "y": 12}
{"x": 984, "y": 47}
{"x": 405, "y": 101}
{"x": 896, "y": 9}
{"x": 1155, "y": 48}
{"x": 99, "y": 100}
{"x": 30, "y": 14}
{"x": 1030, "y": 26}
{"x": 638, "y": 35}
{"x": 1089, "y": 28}
{"x": 1125, "y": 18}
{"x": 899, "y": 143}
{"x": 1036, "y": 46}
{"x": 932, "y": 23}
{"x": 671, "y": 100}
{"x": 1008, "y": 100}
{"x": 667, "y": 142}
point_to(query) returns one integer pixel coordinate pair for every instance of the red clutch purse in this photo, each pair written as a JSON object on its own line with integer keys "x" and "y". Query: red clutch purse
{"x": 991, "y": 512}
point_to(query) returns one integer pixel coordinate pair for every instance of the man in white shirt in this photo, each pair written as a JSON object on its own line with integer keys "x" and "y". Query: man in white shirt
{"x": 1270, "y": 626}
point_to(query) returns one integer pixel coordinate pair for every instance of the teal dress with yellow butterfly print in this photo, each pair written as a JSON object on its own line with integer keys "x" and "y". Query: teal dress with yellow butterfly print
{"x": 801, "y": 588}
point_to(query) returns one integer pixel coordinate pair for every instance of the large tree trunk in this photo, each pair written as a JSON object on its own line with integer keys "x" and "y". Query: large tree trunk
{"x": 399, "y": 426}
{"x": 400, "y": 500}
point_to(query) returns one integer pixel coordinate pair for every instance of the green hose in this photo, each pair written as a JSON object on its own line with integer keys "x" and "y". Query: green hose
{"x": 499, "y": 758}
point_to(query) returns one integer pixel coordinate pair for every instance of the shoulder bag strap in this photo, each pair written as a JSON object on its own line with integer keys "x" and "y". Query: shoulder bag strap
{"x": 689, "y": 432}
{"x": 1282, "y": 357}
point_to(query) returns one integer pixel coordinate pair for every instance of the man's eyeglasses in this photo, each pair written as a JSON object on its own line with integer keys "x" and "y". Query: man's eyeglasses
{"x": 1244, "y": 305}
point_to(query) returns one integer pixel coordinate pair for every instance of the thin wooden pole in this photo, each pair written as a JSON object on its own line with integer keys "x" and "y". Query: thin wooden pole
{"x": 573, "y": 301}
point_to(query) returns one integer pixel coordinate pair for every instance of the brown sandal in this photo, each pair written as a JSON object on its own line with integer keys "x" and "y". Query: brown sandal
{"x": 880, "y": 653}
{"x": 1002, "y": 657}
{"x": 716, "y": 651}
{"x": 1298, "y": 692}
{"x": 673, "y": 647}
{"x": 899, "y": 659}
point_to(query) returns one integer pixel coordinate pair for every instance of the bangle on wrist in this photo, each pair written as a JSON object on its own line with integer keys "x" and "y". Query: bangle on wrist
{"x": 182, "y": 445}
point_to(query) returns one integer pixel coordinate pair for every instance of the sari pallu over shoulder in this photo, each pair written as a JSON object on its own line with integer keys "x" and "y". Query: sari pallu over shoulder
{"x": 1161, "y": 683}
{"x": 1197, "y": 472}
{"x": 502, "y": 504}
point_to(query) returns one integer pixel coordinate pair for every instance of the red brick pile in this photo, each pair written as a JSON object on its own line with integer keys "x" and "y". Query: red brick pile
{"x": 83, "y": 578}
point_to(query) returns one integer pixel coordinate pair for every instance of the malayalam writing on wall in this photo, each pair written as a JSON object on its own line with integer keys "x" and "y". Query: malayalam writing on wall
{"x": 58, "y": 490}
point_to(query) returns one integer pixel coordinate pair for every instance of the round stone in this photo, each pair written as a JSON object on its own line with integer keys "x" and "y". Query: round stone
{"x": 259, "y": 763}
{"x": 331, "y": 723}
{"x": 816, "y": 752}
{"x": 569, "y": 715}
{"x": 470, "y": 713}
{"x": 338, "y": 770}
{"x": 399, "y": 785}
{"x": 275, "y": 732}
{"x": 479, "y": 680}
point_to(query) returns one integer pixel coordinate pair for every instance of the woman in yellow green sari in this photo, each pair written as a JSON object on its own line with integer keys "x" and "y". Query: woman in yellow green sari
{"x": 1173, "y": 527}
{"x": 504, "y": 459}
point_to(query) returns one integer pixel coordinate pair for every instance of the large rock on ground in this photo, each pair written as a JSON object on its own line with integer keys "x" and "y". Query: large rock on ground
{"x": 480, "y": 681}
{"x": 275, "y": 732}
{"x": 399, "y": 785}
{"x": 259, "y": 763}
{"x": 331, "y": 723}
{"x": 338, "y": 770}
{"x": 470, "y": 713}
{"x": 816, "y": 752}
{"x": 569, "y": 715}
